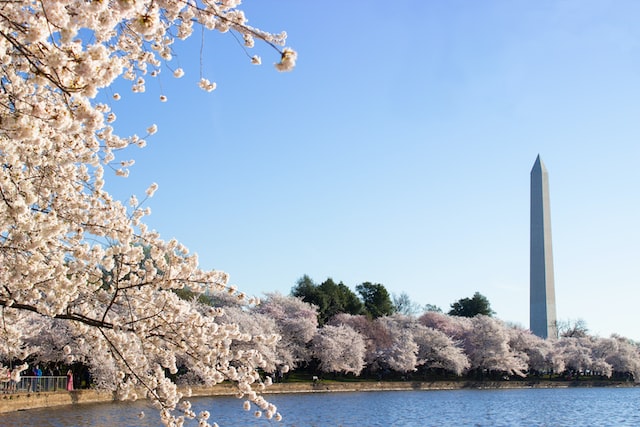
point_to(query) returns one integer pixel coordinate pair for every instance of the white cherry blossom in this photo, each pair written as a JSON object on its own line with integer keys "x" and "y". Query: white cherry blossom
{"x": 74, "y": 258}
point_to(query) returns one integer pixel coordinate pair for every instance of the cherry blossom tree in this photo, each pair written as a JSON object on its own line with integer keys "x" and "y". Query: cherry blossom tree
{"x": 576, "y": 353}
{"x": 535, "y": 350}
{"x": 13, "y": 329}
{"x": 556, "y": 359}
{"x": 455, "y": 327}
{"x": 401, "y": 354}
{"x": 68, "y": 250}
{"x": 296, "y": 322}
{"x": 339, "y": 349}
{"x": 377, "y": 335}
{"x": 261, "y": 327}
{"x": 487, "y": 346}
{"x": 422, "y": 346}
{"x": 625, "y": 358}
{"x": 437, "y": 350}
{"x": 600, "y": 356}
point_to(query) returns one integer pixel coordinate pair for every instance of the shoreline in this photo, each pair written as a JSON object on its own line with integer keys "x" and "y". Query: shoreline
{"x": 26, "y": 401}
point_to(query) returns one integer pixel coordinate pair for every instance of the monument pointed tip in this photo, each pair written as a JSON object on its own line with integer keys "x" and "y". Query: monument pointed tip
{"x": 538, "y": 164}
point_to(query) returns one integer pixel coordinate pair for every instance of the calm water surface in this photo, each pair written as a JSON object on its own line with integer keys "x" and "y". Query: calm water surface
{"x": 478, "y": 408}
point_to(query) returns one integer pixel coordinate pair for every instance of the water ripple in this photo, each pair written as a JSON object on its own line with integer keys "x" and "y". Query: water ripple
{"x": 574, "y": 407}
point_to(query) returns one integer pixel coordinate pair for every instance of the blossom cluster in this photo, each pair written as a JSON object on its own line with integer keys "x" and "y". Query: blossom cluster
{"x": 72, "y": 258}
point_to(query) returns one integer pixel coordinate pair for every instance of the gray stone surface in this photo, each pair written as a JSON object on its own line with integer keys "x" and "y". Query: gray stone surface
{"x": 542, "y": 315}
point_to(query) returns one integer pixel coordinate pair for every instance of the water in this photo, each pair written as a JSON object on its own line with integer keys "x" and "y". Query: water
{"x": 573, "y": 407}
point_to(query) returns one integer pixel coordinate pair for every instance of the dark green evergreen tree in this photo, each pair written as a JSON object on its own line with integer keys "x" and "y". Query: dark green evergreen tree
{"x": 330, "y": 297}
{"x": 470, "y": 307}
{"x": 376, "y": 299}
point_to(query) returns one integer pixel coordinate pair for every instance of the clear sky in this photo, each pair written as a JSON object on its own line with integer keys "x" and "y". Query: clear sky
{"x": 399, "y": 151}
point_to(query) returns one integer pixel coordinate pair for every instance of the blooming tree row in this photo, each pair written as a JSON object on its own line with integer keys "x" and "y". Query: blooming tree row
{"x": 436, "y": 342}
{"x": 433, "y": 343}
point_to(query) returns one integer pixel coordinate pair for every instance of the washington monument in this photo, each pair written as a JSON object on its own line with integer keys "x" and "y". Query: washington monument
{"x": 542, "y": 314}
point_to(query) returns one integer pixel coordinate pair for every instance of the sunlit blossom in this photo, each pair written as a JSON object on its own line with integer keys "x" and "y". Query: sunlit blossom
{"x": 205, "y": 84}
{"x": 152, "y": 189}
{"x": 287, "y": 60}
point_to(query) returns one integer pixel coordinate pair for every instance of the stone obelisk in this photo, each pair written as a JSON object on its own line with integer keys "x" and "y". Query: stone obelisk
{"x": 542, "y": 315}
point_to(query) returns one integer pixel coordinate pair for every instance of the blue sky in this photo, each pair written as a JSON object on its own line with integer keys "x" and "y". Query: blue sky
{"x": 399, "y": 151}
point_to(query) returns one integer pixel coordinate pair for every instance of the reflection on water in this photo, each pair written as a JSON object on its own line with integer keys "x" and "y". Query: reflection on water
{"x": 479, "y": 408}
{"x": 85, "y": 415}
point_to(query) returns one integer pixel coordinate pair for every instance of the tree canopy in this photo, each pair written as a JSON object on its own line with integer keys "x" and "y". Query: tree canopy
{"x": 404, "y": 305}
{"x": 331, "y": 298}
{"x": 470, "y": 307}
{"x": 376, "y": 299}
{"x": 572, "y": 328}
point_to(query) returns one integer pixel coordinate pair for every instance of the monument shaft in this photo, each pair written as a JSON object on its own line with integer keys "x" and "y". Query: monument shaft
{"x": 541, "y": 280}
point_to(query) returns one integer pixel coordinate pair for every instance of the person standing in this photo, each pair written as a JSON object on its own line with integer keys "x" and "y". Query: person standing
{"x": 6, "y": 382}
{"x": 35, "y": 382}
{"x": 69, "y": 380}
